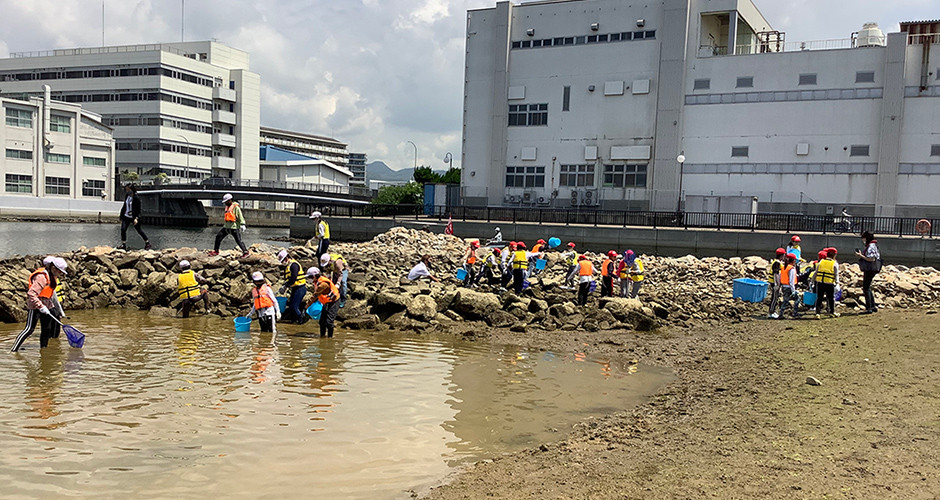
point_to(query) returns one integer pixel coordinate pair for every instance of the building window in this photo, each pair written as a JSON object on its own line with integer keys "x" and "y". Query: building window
{"x": 864, "y": 77}
{"x": 19, "y": 154}
{"x": 858, "y": 150}
{"x": 576, "y": 175}
{"x": 630, "y": 176}
{"x": 57, "y": 185}
{"x": 566, "y": 99}
{"x": 808, "y": 79}
{"x": 740, "y": 151}
{"x": 19, "y": 118}
{"x": 59, "y": 123}
{"x": 58, "y": 158}
{"x": 521, "y": 115}
{"x": 650, "y": 34}
{"x": 94, "y": 162}
{"x": 745, "y": 82}
{"x": 934, "y": 150}
{"x": 16, "y": 183}
{"x": 530, "y": 177}
{"x": 702, "y": 84}
{"x": 93, "y": 189}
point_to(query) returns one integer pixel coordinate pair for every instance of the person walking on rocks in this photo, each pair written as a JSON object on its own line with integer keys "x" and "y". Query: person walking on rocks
{"x": 794, "y": 248}
{"x": 869, "y": 262}
{"x": 233, "y": 224}
{"x": 788, "y": 285}
{"x": 188, "y": 284}
{"x": 328, "y": 295}
{"x": 506, "y": 258}
{"x": 585, "y": 277}
{"x": 469, "y": 260}
{"x": 490, "y": 268}
{"x": 294, "y": 281}
{"x": 40, "y": 296}
{"x": 520, "y": 266}
{"x": 607, "y": 275}
{"x": 422, "y": 270}
{"x": 571, "y": 260}
{"x": 826, "y": 278}
{"x": 321, "y": 234}
{"x": 264, "y": 303}
{"x": 130, "y": 216}
{"x": 635, "y": 273}
{"x": 336, "y": 266}
{"x": 773, "y": 276}
{"x": 536, "y": 252}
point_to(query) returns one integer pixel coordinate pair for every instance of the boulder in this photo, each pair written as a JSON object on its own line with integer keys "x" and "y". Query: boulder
{"x": 367, "y": 322}
{"x": 387, "y": 303}
{"x": 157, "y": 289}
{"x": 422, "y": 307}
{"x": 128, "y": 277}
{"x": 475, "y": 305}
{"x": 620, "y": 307}
{"x": 353, "y": 309}
{"x": 497, "y": 319}
{"x": 12, "y": 310}
{"x": 162, "y": 312}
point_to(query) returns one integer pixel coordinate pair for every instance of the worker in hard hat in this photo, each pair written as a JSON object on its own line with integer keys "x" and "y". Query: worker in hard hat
{"x": 190, "y": 292}
{"x": 336, "y": 267}
{"x": 321, "y": 234}
{"x": 505, "y": 260}
{"x": 491, "y": 268}
{"x": 264, "y": 303}
{"x": 295, "y": 282}
{"x": 233, "y": 224}
{"x": 470, "y": 260}
{"x": 585, "y": 278}
{"x": 328, "y": 295}
{"x": 607, "y": 275}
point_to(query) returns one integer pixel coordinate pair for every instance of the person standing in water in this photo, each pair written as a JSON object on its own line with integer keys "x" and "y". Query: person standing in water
{"x": 130, "y": 216}
{"x": 234, "y": 225}
{"x": 264, "y": 303}
{"x": 190, "y": 293}
{"x": 40, "y": 301}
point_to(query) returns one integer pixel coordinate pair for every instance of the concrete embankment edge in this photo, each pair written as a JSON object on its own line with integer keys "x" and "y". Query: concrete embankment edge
{"x": 910, "y": 251}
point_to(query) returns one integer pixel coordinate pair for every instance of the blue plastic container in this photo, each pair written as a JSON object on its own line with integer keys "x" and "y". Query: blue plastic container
{"x": 242, "y": 324}
{"x": 553, "y": 242}
{"x": 282, "y": 303}
{"x": 461, "y": 274}
{"x": 593, "y": 287}
{"x": 540, "y": 264}
{"x": 314, "y": 310}
{"x": 809, "y": 298}
{"x": 749, "y": 290}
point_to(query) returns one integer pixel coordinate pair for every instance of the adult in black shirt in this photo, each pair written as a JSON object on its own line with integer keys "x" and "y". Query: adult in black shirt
{"x": 130, "y": 213}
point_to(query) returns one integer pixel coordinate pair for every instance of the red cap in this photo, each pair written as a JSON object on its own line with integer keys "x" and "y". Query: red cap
{"x": 496, "y": 250}
{"x": 541, "y": 241}
{"x": 791, "y": 256}
{"x": 822, "y": 254}
{"x": 832, "y": 251}
{"x": 474, "y": 243}
{"x": 780, "y": 252}
{"x": 520, "y": 245}
{"x": 611, "y": 253}
{"x": 582, "y": 257}
{"x": 571, "y": 244}
{"x": 795, "y": 238}
{"x": 512, "y": 244}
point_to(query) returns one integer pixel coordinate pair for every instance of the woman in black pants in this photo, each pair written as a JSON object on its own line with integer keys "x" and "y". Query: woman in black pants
{"x": 129, "y": 216}
{"x": 869, "y": 261}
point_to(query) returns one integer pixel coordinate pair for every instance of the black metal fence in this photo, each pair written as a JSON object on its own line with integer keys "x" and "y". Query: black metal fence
{"x": 786, "y": 223}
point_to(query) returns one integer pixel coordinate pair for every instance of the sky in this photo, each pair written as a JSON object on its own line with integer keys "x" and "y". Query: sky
{"x": 374, "y": 74}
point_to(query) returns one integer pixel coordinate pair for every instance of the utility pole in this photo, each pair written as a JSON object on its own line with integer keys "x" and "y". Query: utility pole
{"x": 182, "y": 20}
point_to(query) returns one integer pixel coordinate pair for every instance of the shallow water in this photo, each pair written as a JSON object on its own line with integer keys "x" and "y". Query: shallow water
{"x": 170, "y": 408}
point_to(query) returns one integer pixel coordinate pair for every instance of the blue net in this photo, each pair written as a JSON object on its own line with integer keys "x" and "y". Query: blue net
{"x": 76, "y": 337}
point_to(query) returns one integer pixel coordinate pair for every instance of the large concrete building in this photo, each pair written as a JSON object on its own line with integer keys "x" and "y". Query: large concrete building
{"x": 593, "y": 102}
{"x": 357, "y": 165}
{"x": 189, "y": 110}
{"x": 316, "y": 146}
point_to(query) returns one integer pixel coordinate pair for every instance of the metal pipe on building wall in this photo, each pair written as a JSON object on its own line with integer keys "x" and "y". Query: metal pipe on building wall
{"x": 46, "y": 116}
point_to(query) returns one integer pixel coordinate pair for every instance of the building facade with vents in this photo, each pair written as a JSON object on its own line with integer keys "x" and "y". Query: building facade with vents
{"x": 593, "y": 103}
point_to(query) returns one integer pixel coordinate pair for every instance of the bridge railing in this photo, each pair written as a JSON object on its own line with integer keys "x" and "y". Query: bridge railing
{"x": 785, "y": 223}
{"x": 221, "y": 184}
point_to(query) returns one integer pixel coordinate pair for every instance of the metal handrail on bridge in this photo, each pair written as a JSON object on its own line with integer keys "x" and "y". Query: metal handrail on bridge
{"x": 785, "y": 223}
{"x": 306, "y": 187}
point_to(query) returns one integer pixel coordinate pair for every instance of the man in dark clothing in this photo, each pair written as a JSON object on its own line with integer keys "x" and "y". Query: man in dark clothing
{"x": 130, "y": 213}
{"x": 296, "y": 282}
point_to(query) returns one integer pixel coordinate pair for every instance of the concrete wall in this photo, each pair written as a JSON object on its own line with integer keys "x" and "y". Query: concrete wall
{"x": 256, "y": 217}
{"x": 57, "y": 207}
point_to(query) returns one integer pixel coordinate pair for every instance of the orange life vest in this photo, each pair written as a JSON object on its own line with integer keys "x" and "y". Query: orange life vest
{"x": 586, "y": 268}
{"x": 334, "y": 291}
{"x": 473, "y": 257}
{"x": 785, "y": 275}
{"x": 537, "y": 248}
{"x": 230, "y": 212}
{"x": 605, "y": 266}
{"x": 261, "y": 298}
{"x": 47, "y": 292}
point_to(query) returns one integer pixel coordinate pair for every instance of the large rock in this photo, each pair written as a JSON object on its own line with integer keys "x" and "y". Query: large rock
{"x": 620, "y": 307}
{"x": 422, "y": 307}
{"x": 157, "y": 289}
{"x": 367, "y": 322}
{"x": 353, "y": 309}
{"x": 475, "y": 305}
{"x": 128, "y": 277}
{"x": 388, "y": 303}
{"x": 12, "y": 310}
{"x": 499, "y": 319}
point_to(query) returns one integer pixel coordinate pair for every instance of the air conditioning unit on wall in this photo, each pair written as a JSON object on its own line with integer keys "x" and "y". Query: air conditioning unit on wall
{"x": 575, "y": 198}
{"x": 590, "y": 197}
{"x": 543, "y": 200}
{"x": 527, "y": 197}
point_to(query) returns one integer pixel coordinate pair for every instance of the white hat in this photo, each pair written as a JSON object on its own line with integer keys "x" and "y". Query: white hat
{"x": 282, "y": 256}
{"x": 59, "y": 263}
{"x": 226, "y": 197}
{"x": 497, "y": 229}
{"x": 324, "y": 259}
{"x": 257, "y": 276}
{"x": 184, "y": 263}
{"x": 48, "y": 260}
{"x": 315, "y": 215}
{"x": 313, "y": 271}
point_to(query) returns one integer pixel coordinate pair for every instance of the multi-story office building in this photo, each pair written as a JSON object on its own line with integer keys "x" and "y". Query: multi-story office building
{"x": 357, "y": 165}
{"x": 190, "y": 110}
{"x": 626, "y": 105}
{"x": 316, "y": 146}
{"x": 55, "y": 150}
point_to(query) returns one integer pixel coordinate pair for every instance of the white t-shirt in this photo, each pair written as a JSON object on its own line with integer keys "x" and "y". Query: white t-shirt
{"x": 419, "y": 271}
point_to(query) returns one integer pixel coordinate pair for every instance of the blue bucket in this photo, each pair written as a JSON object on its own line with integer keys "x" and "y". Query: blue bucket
{"x": 314, "y": 310}
{"x": 282, "y": 303}
{"x": 553, "y": 242}
{"x": 540, "y": 264}
{"x": 461, "y": 274}
{"x": 242, "y": 324}
{"x": 809, "y": 298}
{"x": 593, "y": 286}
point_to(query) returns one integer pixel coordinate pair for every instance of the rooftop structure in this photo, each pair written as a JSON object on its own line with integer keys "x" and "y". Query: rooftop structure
{"x": 324, "y": 148}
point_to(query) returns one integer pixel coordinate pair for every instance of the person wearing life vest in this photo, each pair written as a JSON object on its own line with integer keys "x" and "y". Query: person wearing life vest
{"x": 264, "y": 304}
{"x": 490, "y": 268}
{"x": 794, "y": 248}
{"x": 296, "y": 284}
{"x": 190, "y": 292}
{"x": 537, "y": 251}
{"x": 469, "y": 260}
{"x": 827, "y": 278}
{"x": 328, "y": 295}
{"x": 607, "y": 275}
{"x": 58, "y": 312}
{"x": 773, "y": 278}
{"x": 635, "y": 272}
{"x": 520, "y": 265}
{"x": 585, "y": 277}
{"x": 788, "y": 285}
{"x": 40, "y": 300}
{"x": 233, "y": 224}
{"x": 506, "y": 260}
{"x": 335, "y": 265}
{"x": 571, "y": 260}
{"x": 321, "y": 234}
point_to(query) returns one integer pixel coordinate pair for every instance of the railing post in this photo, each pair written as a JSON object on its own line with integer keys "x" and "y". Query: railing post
{"x": 514, "y": 215}
{"x": 567, "y": 217}
{"x": 487, "y": 214}
{"x": 595, "y": 218}
{"x": 788, "y": 223}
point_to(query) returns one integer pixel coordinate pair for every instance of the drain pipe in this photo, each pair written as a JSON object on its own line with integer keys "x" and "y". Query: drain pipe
{"x": 46, "y": 116}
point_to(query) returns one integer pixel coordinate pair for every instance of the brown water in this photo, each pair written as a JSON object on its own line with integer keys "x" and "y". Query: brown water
{"x": 171, "y": 408}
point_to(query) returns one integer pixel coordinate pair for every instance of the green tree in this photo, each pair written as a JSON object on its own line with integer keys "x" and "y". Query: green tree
{"x": 409, "y": 194}
{"x": 128, "y": 176}
{"x": 452, "y": 176}
{"x": 424, "y": 175}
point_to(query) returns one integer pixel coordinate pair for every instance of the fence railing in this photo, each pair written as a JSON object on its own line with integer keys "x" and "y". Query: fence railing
{"x": 786, "y": 223}
{"x": 213, "y": 183}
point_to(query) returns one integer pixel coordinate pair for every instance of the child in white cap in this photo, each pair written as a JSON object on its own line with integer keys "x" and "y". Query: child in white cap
{"x": 40, "y": 300}
{"x": 264, "y": 303}
{"x": 321, "y": 235}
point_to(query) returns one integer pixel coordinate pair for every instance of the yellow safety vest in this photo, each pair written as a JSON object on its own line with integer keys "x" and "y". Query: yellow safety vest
{"x": 519, "y": 260}
{"x": 572, "y": 259}
{"x": 301, "y": 278}
{"x": 326, "y": 230}
{"x": 826, "y": 271}
{"x": 188, "y": 286}
{"x": 639, "y": 271}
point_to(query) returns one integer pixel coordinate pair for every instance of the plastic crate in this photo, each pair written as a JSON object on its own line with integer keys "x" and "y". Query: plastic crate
{"x": 749, "y": 290}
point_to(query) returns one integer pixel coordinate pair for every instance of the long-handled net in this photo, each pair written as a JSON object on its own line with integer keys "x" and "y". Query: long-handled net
{"x": 75, "y": 336}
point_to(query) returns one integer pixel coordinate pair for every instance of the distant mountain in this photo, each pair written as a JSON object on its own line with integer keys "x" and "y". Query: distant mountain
{"x": 379, "y": 171}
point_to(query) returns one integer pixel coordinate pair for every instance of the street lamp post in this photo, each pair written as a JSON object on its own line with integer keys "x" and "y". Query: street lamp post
{"x": 449, "y": 160}
{"x": 186, "y": 172}
{"x": 681, "y": 160}
{"x": 416, "y": 156}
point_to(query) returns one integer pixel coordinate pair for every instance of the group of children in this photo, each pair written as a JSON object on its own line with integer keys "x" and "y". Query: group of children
{"x": 789, "y": 272}
{"x": 627, "y": 268}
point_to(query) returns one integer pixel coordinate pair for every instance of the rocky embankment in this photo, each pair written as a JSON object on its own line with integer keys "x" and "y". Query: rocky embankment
{"x": 678, "y": 291}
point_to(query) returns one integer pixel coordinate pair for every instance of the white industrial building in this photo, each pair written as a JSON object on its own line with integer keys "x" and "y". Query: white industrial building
{"x": 56, "y": 151}
{"x": 594, "y": 102}
{"x": 317, "y": 146}
{"x": 190, "y": 110}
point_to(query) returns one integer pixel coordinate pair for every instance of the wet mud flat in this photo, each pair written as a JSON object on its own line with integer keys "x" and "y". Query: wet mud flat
{"x": 741, "y": 420}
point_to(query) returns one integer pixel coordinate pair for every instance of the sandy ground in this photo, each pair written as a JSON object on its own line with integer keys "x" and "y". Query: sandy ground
{"x": 741, "y": 421}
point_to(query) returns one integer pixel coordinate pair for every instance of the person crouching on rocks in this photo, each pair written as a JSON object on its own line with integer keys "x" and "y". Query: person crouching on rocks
{"x": 264, "y": 303}
{"x": 337, "y": 268}
{"x": 422, "y": 270}
{"x": 491, "y": 269}
{"x": 328, "y": 295}
{"x": 40, "y": 301}
{"x": 188, "y": 283}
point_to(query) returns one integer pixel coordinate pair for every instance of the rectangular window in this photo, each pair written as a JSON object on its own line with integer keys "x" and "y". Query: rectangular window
{"x": 57, "y": 185}
{"x": 577, "y": 175}
{"x": 638, "y": 35}
{"x": 935, "y": 150}
{"x": 16, "y": 183}
{"x": 745, "y": 82}
{"x": 19, "y": 154}
{"x": 517, "y": 116}
{"x": 94, "y": 162}
{"x": 580, "y": 40}
{"x": 864, "y": 77}
{"x": 629, "y": 176}
{"x": 615, "y": 37}
{"x": 740, "y": 151}
{"x": 93, "y": 189}
{"x": 626, "y": 36}
{"x": 702, "y": 84}
{"x": 808, "y": 79}
{"x": 521, "y": 115}
{"x": 592, "y": 39}
{"x": 533, "y": 177}
{"x": 59, "y": 123}
{"x": 58, "y": 158}
{"x": 19, "y": 118}
{"x": 566, "y": 99}
{"x": 859, "y": 150}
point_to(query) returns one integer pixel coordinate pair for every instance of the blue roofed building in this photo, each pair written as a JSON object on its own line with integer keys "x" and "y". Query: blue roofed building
{"x": 281, "y": 165}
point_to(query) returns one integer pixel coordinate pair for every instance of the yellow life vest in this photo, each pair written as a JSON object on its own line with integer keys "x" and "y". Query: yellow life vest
{"x": 519, "y": 260}
{"x": 639, "y": 271}
{"x": 301, "y": 278}
{"x": 187, "y": 284}
{"x": 572, "y": 259}
{"x": 326, "y": 229}
{"x": 826, "y": 271}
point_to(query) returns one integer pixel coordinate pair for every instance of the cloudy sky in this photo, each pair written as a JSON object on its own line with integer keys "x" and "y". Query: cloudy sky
{"x": 372, "y": 73}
